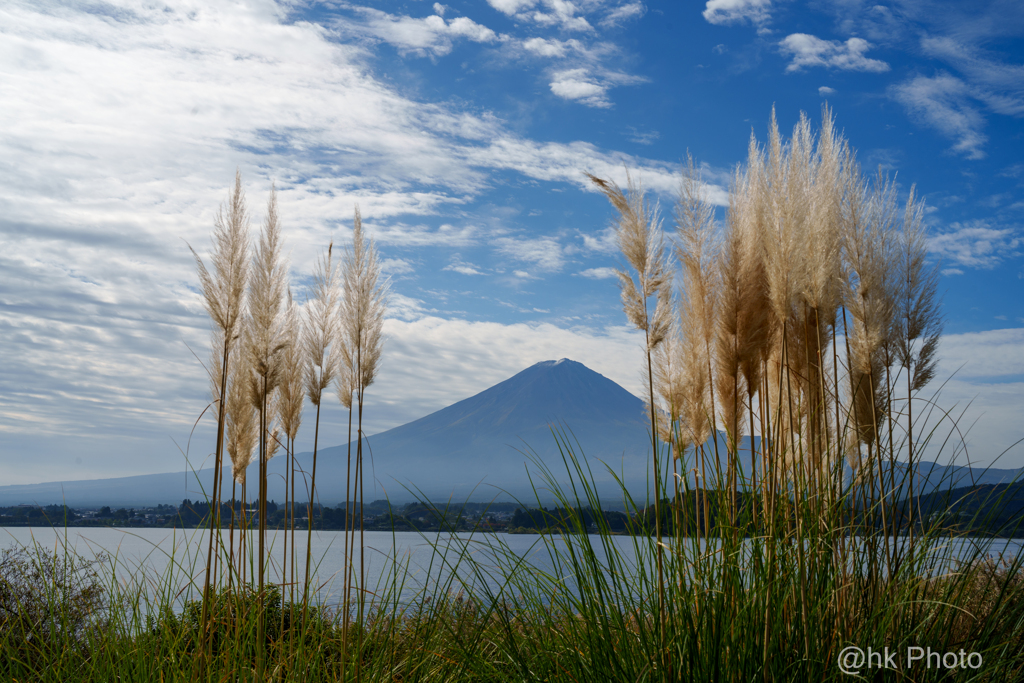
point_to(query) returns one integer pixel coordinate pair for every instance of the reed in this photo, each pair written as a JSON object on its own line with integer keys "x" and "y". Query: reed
{"x": 267, "y": 341}
{"x": 223, "y": 297}
{"x": 290, "y": 399}
{"x": 323, "y": 352}
{"x": 362, "y": 308}
{"x": 638, "y": 230}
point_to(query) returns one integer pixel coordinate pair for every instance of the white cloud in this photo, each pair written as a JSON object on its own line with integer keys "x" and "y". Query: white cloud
{"x": 457, "y": 265}
{"x": 430, "y": 35}
{"x": 942, "y": 102}
{"x": 976, "y": 245}
{"x": 599, "y": 273}
{"x": 732, "y": 11}
{"x": 606, "y": 241}
{"x": 566, "y": 163}
{"x": 545, "y": 47}
{"x": 466, "y": 27}
{"x": 440, "y": 9}
{"x": 576, "y": 84}
{"x": 581, "y": 75}
{"x": 643, "y": 138}
{"x": 623, "y": 13}
{"x": 401, "y": 307}
{"x": 998, "y": 84}
{"x": 546, "y": 253}
{"x": 396, "y": 266}
{"x": 807, "y": 50}
{"x": 464, "y": 269}
{"x": 511, "y": 7}
{"x": 561, "y": 13}
{"x": 399, "y": 234}
{"x": 825, "y": 90}
{"x": 984, "y": 371}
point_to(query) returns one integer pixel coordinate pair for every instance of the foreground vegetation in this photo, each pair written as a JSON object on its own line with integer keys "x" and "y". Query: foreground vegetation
{"x": 585, "y": 610}
{"x": 812, "y": 322}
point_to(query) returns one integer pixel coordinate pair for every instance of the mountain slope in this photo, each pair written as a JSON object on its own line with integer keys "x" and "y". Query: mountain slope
{"x": 474, "y": 444}
{"x": 481, "y": 440}
{"x": 475, "y": 448}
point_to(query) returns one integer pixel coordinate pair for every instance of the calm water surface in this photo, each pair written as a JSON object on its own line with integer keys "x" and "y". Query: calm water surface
{"x": 163, "y": 559}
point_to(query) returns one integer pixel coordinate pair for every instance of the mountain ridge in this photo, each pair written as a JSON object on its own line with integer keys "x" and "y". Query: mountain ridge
{"x": 474, "y": 448}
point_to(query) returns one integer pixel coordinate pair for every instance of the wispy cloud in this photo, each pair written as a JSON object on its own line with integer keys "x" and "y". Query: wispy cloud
{"x": 579, "y": 71}
{"x": 810, "y": 51}
{"x": 545, "y": 253}
{"x": 423, "y": 36}
{"x": 757, "y": 12}
{"x": 996, "y": 83}
{"x": 457, "y": 265}
{"x": 605, "y": 242}
{"x": 577, "y": 84}
{"x": 943, "y": 102}
{"x": 397, "y": 266}
{"x": 648, "y": 137}
{"x": 549, "y": 47}
{"x": 977, "y": 245}
{"x": 560, "y": 13}
{"x": 625, "y": 12}
{"x": 599, "y": 273}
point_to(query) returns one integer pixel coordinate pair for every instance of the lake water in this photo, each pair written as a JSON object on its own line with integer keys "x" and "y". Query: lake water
{"x": 162, "y": 556}
{"x": 162, "y": 559}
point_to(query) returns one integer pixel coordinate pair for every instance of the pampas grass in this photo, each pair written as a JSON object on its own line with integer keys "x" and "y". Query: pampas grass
{"x": 290, "y": 399}
{"x": 321, "y": 345}
{"x": 362, "y": 308}
{"x": 267, "y": 340}
{"x": 641, "y": 241}
{"x": 807, "y": 241}
{"x": 223, "y": 297}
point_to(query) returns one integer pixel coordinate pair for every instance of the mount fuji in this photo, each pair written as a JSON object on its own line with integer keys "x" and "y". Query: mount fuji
{"x": 479, "y": 448}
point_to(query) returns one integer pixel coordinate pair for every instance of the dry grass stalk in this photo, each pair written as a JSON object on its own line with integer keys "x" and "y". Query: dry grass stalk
{"x": 638, "y": 231}
{"x": 697, "y": 254}
{"x": 267, "y": 340}
{"x": 640, "y": 238}
{"x": 668, "y": 387}
{"x": 290, "y": 399}
{"x": 242, "y": 427}
{"x": 869, "y": 246}
{"x": 320, "y": 345}
{"x": 242, "y": 439}
{"x": 919, "y": 318}
{"x": 362, "y": 307}
{"x": 223, "y": 297}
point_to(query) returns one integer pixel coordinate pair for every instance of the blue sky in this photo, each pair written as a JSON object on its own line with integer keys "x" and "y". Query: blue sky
{"x": 462, "y": 130}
